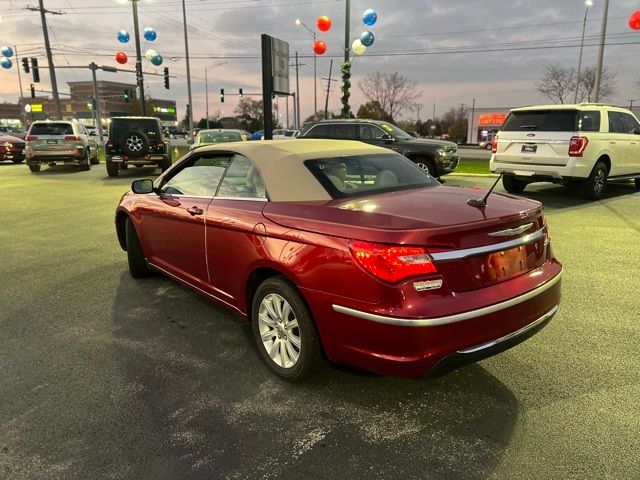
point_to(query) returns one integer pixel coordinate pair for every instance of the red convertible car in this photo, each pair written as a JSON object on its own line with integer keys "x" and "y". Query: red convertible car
{"x": 346, "y": 251}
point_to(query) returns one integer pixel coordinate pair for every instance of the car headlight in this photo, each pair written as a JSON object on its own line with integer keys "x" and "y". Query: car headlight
{"x": 441, "y": 152}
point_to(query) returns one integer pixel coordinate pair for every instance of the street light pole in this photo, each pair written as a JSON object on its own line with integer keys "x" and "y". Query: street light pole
{"x": 315, "y": 71}
{"x": 433, "y": 117}
{"x": 139, "y": 79}
{"x": 186, "y": 52}
{"x": 52, "y": 70}
{"x": 603, "y": 37}
{"x": 588, "y": 3}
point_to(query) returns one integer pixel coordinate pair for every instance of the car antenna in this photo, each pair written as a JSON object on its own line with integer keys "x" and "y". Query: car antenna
{"x": 482, "y": 202}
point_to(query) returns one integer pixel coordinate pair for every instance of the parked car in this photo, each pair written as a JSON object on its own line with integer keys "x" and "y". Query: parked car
{"x": 54, "y": 142}
{"x": 257, "y": 135}
{"x": 283, "y": 133}
{"x": 11, "y": 148}
{"x": 220, "y": 135}
{"x": 354, "y": 253}
{"x": 437, "y": 157}
{"x": 136, "y": 141}
{"x": 486, "y": 144}
{"x": 12, "y": 131}
{"x": 174, "y": 132}
{"x": 588, "y": 144}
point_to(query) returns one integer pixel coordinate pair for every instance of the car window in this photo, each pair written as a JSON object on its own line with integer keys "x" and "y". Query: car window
{"x": 365, "y": 174}
{"x": 371, "y": 132}
{"x": 630, "y": 123}
{"x": 51, "y": 129}
{"x": 345, "y": 131}
{"x": 200, "y": 177}
{"x": 616, "y": 124}
{"x": 541, "y": 121}
{"x": 589, "y": 121}
{"x": 147, "y": 126}
{"x": 319, "y": 131}
{"x": 242, "y": 180}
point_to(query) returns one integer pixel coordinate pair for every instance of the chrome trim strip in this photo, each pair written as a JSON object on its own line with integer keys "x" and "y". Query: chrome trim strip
{"x": 458, "y": 317}
{"x": 192, "y": 285}
{"x": 248, "y": 199}
{"x": 496, "y": 247}
{"x": 511, "y": 335}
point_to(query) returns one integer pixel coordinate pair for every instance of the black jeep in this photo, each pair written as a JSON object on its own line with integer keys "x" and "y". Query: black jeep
{"x": 438, "y": 157}
{"x": 136, "y": 141}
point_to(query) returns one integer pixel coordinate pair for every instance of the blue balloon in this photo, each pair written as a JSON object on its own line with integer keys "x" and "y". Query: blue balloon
{"x": 6, "y": 51}
{"x": 123, "y": 36}
{"x": 367, "y": 38}
{"x": 5, "y": 62}
{"x": 156, "y": 59}
{"x": 150, "y": 34}
{"x": 370, "y": 17}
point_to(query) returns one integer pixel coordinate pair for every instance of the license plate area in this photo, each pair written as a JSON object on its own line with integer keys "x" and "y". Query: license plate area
{"x": 529, "y": 148}
{"x": 508, "y": 263}
{"x": 52, "y": 142}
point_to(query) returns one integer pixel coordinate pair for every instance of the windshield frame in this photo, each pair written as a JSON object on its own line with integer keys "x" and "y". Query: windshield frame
{"x": 394, "y": 131}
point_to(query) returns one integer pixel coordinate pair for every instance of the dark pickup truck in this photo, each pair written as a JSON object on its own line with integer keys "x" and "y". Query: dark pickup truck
{"x": 136, "y": 141}
{"x": 438, "y": 157}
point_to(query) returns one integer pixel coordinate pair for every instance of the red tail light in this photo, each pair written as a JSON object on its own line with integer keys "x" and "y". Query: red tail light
{"x": 71, "y": 138}
{"x": 392, "y": 263}
{"x": 30, "y": 138}
{"x": 109, "y": 144}
{"x": 494, "y": 145}
{"x": 577, "y": 146}
{"x": 160, "y": 142}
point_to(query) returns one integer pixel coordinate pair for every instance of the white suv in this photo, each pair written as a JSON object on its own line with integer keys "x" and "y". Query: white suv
{"x": 587, "y": 143}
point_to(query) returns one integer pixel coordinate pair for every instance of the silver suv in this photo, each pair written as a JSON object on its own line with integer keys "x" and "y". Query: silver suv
{"x": 54, "y": 142}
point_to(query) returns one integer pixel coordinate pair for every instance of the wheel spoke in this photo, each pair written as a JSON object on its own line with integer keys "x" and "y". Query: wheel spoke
{"x": 277, "y": 305}
{"x": 283, "y": 354}
{"x": 293, "y": 354}
{"x": 266, "y": 320}
{"x": 268, "y": 303}
{"x": 294, "y": 340}
{"x": 269, "y": 335}
{"x": 274, "y": 349}
{"x": 292, "y": 324}
{"x": 286, "y": 311}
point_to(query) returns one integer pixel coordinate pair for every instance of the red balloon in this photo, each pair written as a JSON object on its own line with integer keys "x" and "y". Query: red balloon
{"x": 319, "y": 47}
{"x": 121, "y": 58}
{"x": 324, "y": 23}
{"x": 634, "y": 20}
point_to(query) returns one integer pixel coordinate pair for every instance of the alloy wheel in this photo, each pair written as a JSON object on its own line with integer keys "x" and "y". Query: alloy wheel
{"x": 598, "y": 181}
{"x": 279, "y": 330}
{"x": 134, "y": 143}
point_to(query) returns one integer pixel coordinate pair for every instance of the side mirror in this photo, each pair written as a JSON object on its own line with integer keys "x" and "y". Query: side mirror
{"x": 388, "y": 138}
{"x": 93, "y": 133}
{"x": 142, "y": 186}
{"x": 190, "y": 141}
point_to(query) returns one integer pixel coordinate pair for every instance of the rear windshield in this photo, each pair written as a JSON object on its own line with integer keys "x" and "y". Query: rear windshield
{"x": 542, "y": 121}
{"x": 51, "y": 129}
{"x": 219, "y": 137}
{"x": 365, "y": 174}
{"x": 121, "y": 127}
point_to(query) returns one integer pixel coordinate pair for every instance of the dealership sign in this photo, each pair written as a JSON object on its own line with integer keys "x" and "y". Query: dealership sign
{"x": 164, "y": 110}
{"x": 492, "y": 119}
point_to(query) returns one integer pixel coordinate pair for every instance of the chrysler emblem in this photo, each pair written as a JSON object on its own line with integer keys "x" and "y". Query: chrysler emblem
{"x": 512, "y": 231}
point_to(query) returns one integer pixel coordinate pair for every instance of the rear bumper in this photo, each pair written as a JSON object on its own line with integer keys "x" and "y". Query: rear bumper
{"x": 145, "y": 160}
{"x": 11, "y": 155}
{"x": 72, "y": 154}
{"x": 414, "y": 347}
{"x": 543, "y": 173}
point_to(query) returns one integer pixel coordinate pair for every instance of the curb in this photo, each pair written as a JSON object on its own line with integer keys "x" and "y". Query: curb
{"x": 488, "y": 175}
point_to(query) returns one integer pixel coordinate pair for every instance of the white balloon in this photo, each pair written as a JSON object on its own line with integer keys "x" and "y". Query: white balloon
{"x": 150, "y": 53}
{"x": 357, "y": 47}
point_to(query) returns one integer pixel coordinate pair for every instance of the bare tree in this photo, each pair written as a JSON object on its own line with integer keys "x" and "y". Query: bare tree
{"x": 393, "y": 92}
{"x": 586, "y": 85}
{"x": 557, "y": 83}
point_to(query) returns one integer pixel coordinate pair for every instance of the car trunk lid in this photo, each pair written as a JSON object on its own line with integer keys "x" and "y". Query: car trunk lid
{"x": 439, "y": 220}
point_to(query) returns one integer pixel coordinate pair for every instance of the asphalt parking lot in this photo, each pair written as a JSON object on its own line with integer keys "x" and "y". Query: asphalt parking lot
{"x": 102, "y": 376}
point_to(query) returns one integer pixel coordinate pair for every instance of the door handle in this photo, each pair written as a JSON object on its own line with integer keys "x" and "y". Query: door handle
{"x": 195, "y": 211}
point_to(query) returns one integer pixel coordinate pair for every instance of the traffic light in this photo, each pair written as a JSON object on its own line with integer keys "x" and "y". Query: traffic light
{"x": 125, "y": 96}
{"x": 166, "y": 78}
{"x": 25, "y": 65}
{"x": 34, "y": 69}
{"x": 222, "y": 95}
{"x": 240, "y": 92}
{"x": 33, "y": 91}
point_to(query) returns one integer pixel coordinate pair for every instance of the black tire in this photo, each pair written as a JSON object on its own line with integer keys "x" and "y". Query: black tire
{"x": 164, "y": 164}
{"x": 309, "y": 353}
{"x": 134, "y": 144}
{"x": 95, "y": 160}
{"x": 137, "y": 264}
{"x": 426, "y": 165}
{"x": 17, "y": 160}
{"x": 85, "y": 164}
{"x": 34, "y": 167}
{"x": 112, "y": 168}
{"x": 512, "y": 185}
{"x": 596, "y": 185}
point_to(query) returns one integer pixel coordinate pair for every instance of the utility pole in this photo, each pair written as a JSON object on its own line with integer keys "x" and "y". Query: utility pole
{"x": 588, "y": 4}
{"x": 296, "y": 98}
{"x": 186, "y": 52}
{"x": 603, "y": 36}
{"x": 96, "y": 101}
{"x": 326, "y": 101}
{"x": 473, "y": 114}
{"x": 347, "y": 46}
{"x": 15, "y": 50}
{"x": 47, "y": 46}
{"x": 139, "y": 78}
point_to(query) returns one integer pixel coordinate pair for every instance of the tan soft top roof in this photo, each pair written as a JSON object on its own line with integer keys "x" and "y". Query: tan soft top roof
{"x": 280, "y": 163}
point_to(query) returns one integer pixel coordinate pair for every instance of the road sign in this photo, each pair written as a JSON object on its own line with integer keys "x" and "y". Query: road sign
{"x": 27, "y": 108}
{"x": 36, "y": 107}
{"x": 280, "y": 65}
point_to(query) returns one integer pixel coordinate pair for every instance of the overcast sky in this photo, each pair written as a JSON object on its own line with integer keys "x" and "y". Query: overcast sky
{"x": 457, "y": 50}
